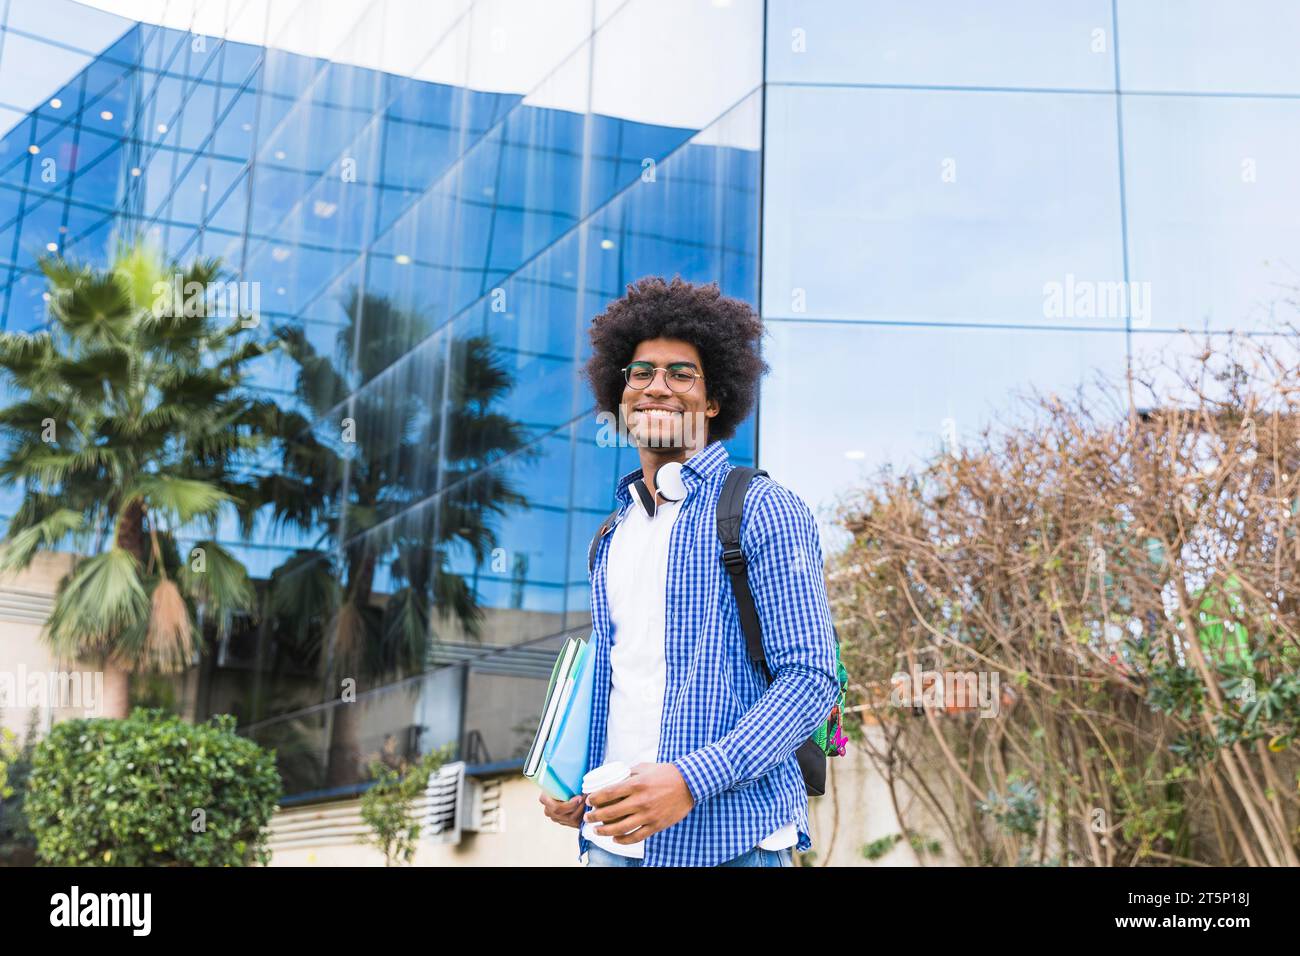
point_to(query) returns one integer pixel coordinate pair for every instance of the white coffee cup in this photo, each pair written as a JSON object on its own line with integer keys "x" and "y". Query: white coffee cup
{"x": 605, "y": 776}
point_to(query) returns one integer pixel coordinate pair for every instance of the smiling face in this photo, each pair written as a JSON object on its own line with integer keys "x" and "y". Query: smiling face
{"x": 659, "y": 417}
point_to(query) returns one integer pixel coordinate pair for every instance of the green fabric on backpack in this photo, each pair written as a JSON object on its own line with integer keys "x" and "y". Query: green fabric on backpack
{"x": 829, "y": 734}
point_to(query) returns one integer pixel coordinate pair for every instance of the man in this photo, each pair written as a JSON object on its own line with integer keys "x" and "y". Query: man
{"x": 714, "y": 778}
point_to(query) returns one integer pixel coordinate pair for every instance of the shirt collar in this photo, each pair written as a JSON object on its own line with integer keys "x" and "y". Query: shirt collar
{"x": 695, "y": 470}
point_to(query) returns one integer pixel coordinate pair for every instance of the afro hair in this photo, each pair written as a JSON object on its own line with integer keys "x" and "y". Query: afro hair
{"x": 724, "y": 330}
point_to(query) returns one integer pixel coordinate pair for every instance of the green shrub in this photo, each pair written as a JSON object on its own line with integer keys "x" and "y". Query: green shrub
{"x": 388, "y": 804}
{"x": 17, "y": 845}
{"x": 151, "y": 790}
{"x": 8, "y": 755}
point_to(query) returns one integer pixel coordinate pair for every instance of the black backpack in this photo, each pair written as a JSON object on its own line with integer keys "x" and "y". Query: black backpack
{"x": 811, "y": 753}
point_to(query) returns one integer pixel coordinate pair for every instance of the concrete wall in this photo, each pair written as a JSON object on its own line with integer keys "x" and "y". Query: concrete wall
{"x": 856, "y": 810}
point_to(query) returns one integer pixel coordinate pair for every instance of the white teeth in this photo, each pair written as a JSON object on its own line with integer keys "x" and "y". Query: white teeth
{"x": 658, "y": 412}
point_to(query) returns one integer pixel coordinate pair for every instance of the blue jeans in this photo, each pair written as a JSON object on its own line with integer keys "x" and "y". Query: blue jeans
{"x": 598, "y": 856}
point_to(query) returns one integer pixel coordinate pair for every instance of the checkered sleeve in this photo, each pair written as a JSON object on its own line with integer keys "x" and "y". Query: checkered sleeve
{"x": 783, "y": 549}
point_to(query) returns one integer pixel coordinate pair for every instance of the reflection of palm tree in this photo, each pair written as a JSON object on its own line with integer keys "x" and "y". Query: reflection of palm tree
{"x": 132, "y": 430}
{"x": 374, "y": 505}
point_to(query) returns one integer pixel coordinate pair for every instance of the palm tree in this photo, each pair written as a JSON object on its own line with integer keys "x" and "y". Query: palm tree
{"x": 373, "y": 500}
{"x": 131, "y": 423}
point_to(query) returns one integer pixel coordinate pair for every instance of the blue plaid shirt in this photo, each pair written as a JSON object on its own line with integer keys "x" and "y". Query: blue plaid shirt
{"x": 732, "y": 738}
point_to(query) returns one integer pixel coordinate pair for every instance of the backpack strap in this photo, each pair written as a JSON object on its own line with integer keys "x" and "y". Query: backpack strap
{"x": 605, "y": 527}
{"x": 730, "y": 506}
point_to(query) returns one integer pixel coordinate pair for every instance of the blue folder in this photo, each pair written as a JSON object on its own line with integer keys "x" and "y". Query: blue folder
{"x": 564, "y": 758}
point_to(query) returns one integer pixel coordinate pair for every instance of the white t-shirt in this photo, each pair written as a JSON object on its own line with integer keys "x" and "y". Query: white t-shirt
{"x": 636, "y": 584}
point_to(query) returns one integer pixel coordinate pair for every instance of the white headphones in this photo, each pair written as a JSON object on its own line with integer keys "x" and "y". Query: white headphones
{"x": 668, "y": 480}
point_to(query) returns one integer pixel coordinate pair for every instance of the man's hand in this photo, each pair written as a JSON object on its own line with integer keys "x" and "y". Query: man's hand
{"x": 653, "y": 799}
{"x": 567, "y": 812}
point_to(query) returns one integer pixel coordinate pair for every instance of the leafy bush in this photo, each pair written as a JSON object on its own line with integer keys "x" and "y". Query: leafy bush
{"x": 151, "y": 790}
{"x": 8, "y": 754}
{"x": 17, "y": 846}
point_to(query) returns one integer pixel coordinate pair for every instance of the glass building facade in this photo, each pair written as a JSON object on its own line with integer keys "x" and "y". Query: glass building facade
{"x": 434, "y": 199}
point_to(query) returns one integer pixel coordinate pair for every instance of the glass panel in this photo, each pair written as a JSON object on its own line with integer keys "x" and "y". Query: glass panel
{"x": 197, "y": 115}
{"x": 917, "y": 211}
{"x": 1004, "y": 43}
{"x": 1211, "y": 208}
{"x": 237, "y": 111}
{"x": 90, "y": 243}
{"x": 189, "y": 193}
{"x": 1208, "y": 46}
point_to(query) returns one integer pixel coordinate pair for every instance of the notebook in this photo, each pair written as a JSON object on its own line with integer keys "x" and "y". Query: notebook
{"x": 560, "y": 672}
{"x": 557, "y": 761}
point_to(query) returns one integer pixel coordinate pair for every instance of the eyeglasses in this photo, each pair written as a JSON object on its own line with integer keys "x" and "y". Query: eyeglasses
{"x": 680, "y": 376}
